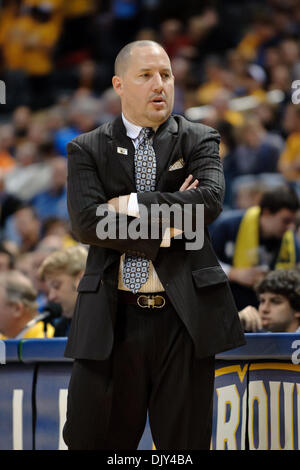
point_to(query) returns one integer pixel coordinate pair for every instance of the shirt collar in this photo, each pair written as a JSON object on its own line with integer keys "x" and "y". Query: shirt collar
{"x": 132, "y": 130}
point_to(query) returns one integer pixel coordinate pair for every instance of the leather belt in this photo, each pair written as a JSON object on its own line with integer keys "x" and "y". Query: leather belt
{"x": 155, "y": 300}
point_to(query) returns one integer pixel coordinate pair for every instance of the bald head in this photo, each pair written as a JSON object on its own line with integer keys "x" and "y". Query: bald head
{"x": 125, "y": 54}
{"x": 145, "y": 83}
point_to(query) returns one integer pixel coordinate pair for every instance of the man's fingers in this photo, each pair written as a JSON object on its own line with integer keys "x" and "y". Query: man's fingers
{"x": 193, "y": 185}
{"x": 186, "y": 185}
{"x": 186, "y": 182}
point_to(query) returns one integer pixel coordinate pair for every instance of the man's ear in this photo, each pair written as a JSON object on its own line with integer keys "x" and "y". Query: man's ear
{"x": 297, "y": 314}
{"x": 117, "y": 84}
{"x": 17, "y": 309}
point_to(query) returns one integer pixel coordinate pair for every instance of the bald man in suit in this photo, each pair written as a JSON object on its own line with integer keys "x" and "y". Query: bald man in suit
{"x": 145, "y": 341}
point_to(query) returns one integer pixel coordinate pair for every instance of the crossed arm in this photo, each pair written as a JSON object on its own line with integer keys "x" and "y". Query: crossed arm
{"x": 86, "y": 192}
{"x": 121, "y": 205}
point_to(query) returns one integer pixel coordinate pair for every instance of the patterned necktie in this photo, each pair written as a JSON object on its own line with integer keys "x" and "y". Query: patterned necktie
{"x": 136, "y": 268}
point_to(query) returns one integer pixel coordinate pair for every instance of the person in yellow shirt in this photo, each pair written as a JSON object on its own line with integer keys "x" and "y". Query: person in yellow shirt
{"x": 19, "y": 317}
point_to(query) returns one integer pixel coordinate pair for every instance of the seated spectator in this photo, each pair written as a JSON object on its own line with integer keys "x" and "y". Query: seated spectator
{"x": 258, "y": 151}
{"x": 279, "y": 304}
{"x": 61, "y": 271}
{"x": 7, "y": 140}
{"x": 58, "y": 228}
{"x": 289, "y": 162}
{"x": 7, "y": 259}
{"x": 297, "y": 226}
{"x": 258, "y": 37}
{"x": 83, "y": 116}
{"x": 252, "y": 242}
{"x": 30, "y": 175}
{"x": 221, "y": 106}
{"x": 28, "y": 228}
{"x": 9, "y": 203}
{"x": 53, "y": 201}
{"x": 18, "y": 313}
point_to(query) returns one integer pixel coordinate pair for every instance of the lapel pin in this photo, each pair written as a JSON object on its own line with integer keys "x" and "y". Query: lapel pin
{"x": 122, "y": 150}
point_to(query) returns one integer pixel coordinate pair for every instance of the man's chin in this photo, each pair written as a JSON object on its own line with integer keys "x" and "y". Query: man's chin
{"x": 159, "y": 116}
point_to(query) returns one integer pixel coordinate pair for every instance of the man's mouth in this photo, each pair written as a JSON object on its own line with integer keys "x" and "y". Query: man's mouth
{"x": 158, "y": 100}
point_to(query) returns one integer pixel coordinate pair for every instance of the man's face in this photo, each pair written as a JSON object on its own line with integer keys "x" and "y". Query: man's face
{"x": 275, "y": 225}
{"x": 61, "y": 289}
{"x": 146, "y": 87}
{"x": 276, "y": 313}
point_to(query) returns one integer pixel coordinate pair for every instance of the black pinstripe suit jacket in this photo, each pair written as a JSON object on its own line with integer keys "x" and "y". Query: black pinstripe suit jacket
{"x": 193, "y": 279}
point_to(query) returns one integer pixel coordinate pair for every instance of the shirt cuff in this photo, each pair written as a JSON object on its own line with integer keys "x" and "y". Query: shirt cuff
{"x": 133, "y": 206}
{"x": 226, "y": 267}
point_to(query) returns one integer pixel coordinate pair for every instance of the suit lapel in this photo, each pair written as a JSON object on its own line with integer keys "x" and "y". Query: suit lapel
{"x": 120, "y": 144}
{"x": 164, "y": 145}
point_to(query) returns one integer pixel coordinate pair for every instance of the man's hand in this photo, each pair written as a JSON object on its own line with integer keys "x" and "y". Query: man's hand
{"x": 250, "y": 319}
{"x": 246, "y": 276}
{"x": 120, "y": 204}
{"x": 187, "y": 186}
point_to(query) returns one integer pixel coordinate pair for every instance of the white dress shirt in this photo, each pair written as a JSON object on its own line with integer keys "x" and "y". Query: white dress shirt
{"x": 153, "y": 283}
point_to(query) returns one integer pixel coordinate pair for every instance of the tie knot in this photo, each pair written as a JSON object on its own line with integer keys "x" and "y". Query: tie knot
{"x": 146, "y": 132}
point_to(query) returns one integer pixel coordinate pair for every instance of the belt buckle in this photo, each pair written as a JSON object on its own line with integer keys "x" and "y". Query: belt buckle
{"x": 150, "y": 301}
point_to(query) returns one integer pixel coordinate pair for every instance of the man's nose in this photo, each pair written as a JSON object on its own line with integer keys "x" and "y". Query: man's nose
{"x": 157, "y": 83}
{"x": 265, "y": 307}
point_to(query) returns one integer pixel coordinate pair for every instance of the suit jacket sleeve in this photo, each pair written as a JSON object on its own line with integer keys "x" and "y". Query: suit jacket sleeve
{"x": 203, "y": 162}
{"x": 85, "y": 194}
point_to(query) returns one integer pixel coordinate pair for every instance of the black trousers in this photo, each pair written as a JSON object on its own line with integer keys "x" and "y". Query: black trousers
{"x": 153, "y": 369}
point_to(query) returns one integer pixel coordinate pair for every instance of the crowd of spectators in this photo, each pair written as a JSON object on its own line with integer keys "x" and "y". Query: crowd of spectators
{"x": 236, "y": 68}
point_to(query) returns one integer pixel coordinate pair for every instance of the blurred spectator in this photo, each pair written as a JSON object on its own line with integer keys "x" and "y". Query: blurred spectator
{"x": 82, "y": 117}
{"x": 73, "y": 47}
{"x": 173, "y": 38}
{"x": 53, "y": 202}
{"x": 258, "y": 150}
{"x": 290, "y": 56}
{"x": 297, "y": 226}
{"x": 62, "y": 272}
{"x": 250, "y": 243}
{"x": 289, "y": 163}
{"x": 30, "y": 175}
{"x": 8, "y": 203}
{"x": 21, "y": 120}
{"x": 248, "y": 193}
{"x": 222, "y": 109}
{"x": 28, "y": 44}
{"x": 7, "y": 141}
{"x": 23, "y": 264}
{"x": 254, "y": 82}
{"x": 18, "y": 310}
{"x": 28, "y": 227}
{"x": 279, "y": 304}
{"x": 110, "y": 106}
{"x": 6, "y": 259}
{"x": 213, "y": 80}
{"x": 258, "y": 37}
{"x": 181, "y": 71}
